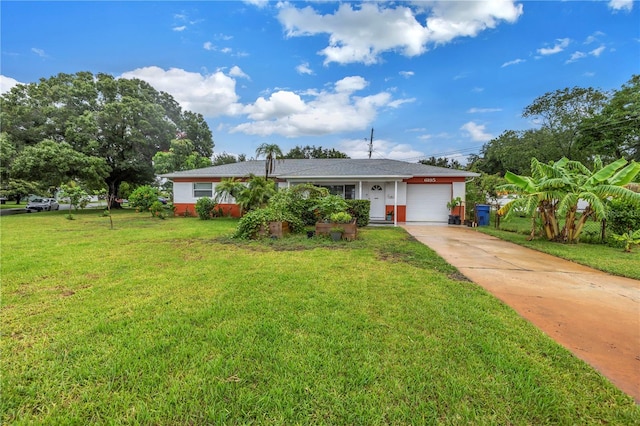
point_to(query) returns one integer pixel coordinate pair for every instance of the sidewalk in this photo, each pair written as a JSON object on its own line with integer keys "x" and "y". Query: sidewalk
{"x": 593, "y": 314}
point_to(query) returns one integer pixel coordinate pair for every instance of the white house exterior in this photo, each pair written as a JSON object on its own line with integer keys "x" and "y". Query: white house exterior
{"x": 414, "y": 192}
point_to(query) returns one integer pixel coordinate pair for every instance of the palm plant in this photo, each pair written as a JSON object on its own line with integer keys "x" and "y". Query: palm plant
{"x": 596, "y": 187}
{"x": 227, "y": 189}
{"x": 538, "y": 195}
{"x": 256, "y": 194}
{"x": 555, "y": 189}
{"x": 629, "y": 239}
{"x": 271, "y": 152}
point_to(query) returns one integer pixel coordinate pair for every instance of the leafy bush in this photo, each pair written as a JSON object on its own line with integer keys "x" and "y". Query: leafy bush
{"x": 157, "y": 210}
{"x": 326, "y": 206}
{"x": 360, "y": 210}
{"x": 629, "y": 239}
{"x": 143, "y": 198}
{"x": 205, "y": 207}
{"x": 341, "y": 217}
{"x": 251, "y": 222}
{"x": 622, "y": 217}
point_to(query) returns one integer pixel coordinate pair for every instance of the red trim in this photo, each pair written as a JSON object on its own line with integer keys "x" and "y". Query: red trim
{"x": 189, "y": 209}
{"x": 428, "y": 180}
{"x": 401, "y": 212}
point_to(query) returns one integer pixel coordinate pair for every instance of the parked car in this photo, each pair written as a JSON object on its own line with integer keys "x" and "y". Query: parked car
{"x": 42, "y": 204}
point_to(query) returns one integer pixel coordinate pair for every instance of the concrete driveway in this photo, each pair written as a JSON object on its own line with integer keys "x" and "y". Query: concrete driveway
{"x": 593, "y": 314}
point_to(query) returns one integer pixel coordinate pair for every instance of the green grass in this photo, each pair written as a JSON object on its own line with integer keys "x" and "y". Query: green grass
{"x": 12, "y": 205}
{"x": 609, "y": 259}
{"x": 172, "y": 322}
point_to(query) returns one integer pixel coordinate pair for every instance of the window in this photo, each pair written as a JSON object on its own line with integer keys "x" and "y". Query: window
{"x": 203, "y": 190}
{"x": 348, "y": 192}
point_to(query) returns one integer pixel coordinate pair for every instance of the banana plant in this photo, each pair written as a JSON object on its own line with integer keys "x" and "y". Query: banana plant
{"x": 629, "y": 239}
{"x": 554, "y": 190}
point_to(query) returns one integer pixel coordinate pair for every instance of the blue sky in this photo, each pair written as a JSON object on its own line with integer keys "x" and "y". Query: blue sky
{"x": 432, "y": 78}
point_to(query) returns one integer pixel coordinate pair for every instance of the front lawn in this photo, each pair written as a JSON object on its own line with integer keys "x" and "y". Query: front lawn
{"x": 171, "y": 322}
{"x": 599, "y": 256}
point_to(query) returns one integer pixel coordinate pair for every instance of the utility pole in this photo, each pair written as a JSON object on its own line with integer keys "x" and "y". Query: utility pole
{"x": 371, "y": 143}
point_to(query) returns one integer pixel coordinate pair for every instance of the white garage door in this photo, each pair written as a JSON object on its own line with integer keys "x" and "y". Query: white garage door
{"x": 428, "y": 203}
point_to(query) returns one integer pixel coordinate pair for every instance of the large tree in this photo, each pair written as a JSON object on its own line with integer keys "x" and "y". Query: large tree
{"x": 123, "y": 122}
{"x": 224, "y": 158}
{"x": 561, "y": 113}
{"x": 513, "y": 151}
{"x": 615, "y": 132}
{"x": 52, "y": 164}
{"x": 308, "y": 152}
{"x": 559, "y": 116}
{"x": 180, "y": 156}
{"x": 449, "y": 163}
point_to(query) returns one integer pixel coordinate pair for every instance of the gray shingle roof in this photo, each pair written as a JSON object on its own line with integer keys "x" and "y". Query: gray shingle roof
{"x": 323, "y": 169}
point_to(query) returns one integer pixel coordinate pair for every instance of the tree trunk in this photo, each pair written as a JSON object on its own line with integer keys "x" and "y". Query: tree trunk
{"x": 583, "y": 219}
{"x": 112, "y": 194}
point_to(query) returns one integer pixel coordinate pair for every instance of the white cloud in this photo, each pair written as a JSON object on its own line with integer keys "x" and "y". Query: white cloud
{"x": 579, "y": 55}
{"x": 208, "y": 46}
{"x": 304, "y": 69}
{"x": 315, "y": 112}
{"x": 180, "y": 28}
{"x": 483, "y": 110}
{"x": 558, "y": 47}
{"x": 6, "y": 83}
{"x": 258, "y": 3}
{"x": 407, "y": 74}
{"x": 39, "y": 52}
{"x": 362, "y": 33}
{"x": 593, "y": 38}
{"x": 476, "y": 132}
{"x": 514, "y": 62}
{"x": 237, "y": 72}
{"x": 359, "y": 148}
{"x": 575, "y": 56}
{"x": 210, "y": 95}
{"x": 597, "y": 51}
{"x": 626, "y": 5}
{"x": 280, "y": 104}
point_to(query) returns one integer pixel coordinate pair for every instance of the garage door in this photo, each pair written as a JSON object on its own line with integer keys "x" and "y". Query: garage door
{"x": 428, "y": 203}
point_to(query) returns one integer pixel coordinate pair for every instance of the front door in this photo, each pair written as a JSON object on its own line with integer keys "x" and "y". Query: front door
{"x": 376, "y": 196}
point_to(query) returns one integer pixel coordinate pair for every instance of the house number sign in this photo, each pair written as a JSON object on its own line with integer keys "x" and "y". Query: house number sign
{"x": 431, "y": 180}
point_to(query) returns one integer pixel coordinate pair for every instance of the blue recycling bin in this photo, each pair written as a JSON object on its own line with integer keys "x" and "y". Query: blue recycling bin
{"x": 483, "y": 214}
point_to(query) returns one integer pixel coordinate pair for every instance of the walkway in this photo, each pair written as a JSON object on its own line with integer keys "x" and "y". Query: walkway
{"x": 593, "y": 314}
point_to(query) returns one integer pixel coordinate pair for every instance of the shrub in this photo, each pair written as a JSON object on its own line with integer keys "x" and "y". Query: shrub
{"x": 326, "y": 206}
{"x": 341, "y": 217}
{"x": 360, "y": 210}
{"x": 143, "y": 198}
{"x": 622, "y": 217}
{"x": 157, "y": 210}
{"x": 205, "y": 207}
{"x": 251, "y": 222}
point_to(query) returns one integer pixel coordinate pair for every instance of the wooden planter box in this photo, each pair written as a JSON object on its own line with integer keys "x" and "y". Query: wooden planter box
{"x": 350, "y": 229}
{"x": 275, "y": 229}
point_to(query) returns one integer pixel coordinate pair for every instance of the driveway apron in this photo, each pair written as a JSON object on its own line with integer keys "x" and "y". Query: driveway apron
{"x": 593, "y": 314}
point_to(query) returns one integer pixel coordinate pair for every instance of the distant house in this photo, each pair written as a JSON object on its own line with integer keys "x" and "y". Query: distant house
{"x": 413, "y": 191}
